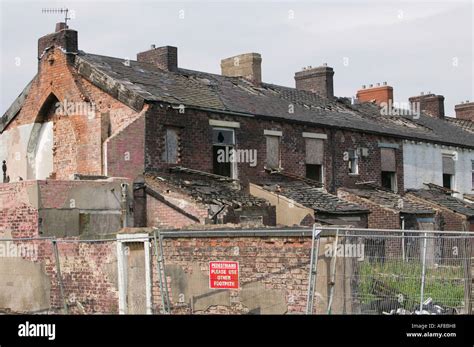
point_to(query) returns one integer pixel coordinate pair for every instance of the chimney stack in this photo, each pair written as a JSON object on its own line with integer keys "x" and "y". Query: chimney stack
{"x": 465, "y": 111}
{"x": 382, "y": 93}
{"x": 165, "y": 58}
{"x": 318, "y": 80}
{"x": 63, "y": 37}
{"x": 248, "y": 65}
{"x": 430, "y": 103}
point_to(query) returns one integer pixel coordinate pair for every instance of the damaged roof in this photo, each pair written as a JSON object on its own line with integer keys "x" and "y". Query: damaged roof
{"x": 444, "y": 199}
{"x": 15, "y": 107}
{"x": 313, "y": 197}
{"x": 464, "y": 124}
{"x": 389, "y": 200}
{"x": 203, "y": 187}
{"x": 137, "y": 82}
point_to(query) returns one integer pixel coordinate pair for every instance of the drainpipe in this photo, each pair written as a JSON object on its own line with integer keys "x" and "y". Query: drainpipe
{"x": 403, "y": 238}
{"x": 124, "y": 204}
{"x": 4, "y": 169}
{"x": 333, "y": 159}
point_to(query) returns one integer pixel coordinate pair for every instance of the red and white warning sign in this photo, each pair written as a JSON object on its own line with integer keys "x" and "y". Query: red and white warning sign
{"x": 224, "y": 274}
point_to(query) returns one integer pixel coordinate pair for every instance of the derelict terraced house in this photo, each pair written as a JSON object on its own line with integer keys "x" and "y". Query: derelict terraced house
{"x": 150, "y": 115}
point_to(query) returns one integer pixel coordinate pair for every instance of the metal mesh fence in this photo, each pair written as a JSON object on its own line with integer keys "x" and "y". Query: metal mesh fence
{"x": 402, "y": 272}
{"x": 271, "y": 271}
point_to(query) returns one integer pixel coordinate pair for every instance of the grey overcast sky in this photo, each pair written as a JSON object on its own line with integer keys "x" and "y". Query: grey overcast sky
{"x": 413, "y": 45}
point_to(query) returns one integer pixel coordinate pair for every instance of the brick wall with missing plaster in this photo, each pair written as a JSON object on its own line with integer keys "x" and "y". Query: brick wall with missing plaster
{"x": 273, "y": 275}
{"x": 89, "y": 270}
{"x": 78, "y": 138}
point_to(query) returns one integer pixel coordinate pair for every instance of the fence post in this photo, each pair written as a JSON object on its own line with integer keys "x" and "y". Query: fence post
{"x": 165, "y": 303}
{"x": 313, "y": 270}
{"x": 467, "y": 276}
{"x": 333, "y": 273}
{"x": 58, "y": 273}
{"x": 423, "y": 273}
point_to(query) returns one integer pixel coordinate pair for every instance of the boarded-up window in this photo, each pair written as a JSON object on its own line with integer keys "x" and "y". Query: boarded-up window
{"x": 448, "y": 165}
{"x": 273, "y": 152}
{"x": 314, "y": 151}
{"x": 388, "y": 161}
{"x": 170, "y": 154}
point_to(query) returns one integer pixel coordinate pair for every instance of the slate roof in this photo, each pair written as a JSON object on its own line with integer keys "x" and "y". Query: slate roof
{"x": 464, "y": 124}
{"x": 203, "y": 187}
{"x": 312, "y": 197}
{"x": 390, "y": 200}
{"x": 135, "y": 83}
{"x": 441, "y": 198}
{"x": 145, "y": 82}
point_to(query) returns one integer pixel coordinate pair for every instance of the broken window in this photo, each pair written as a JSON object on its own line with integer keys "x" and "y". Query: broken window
{"x": 388, "y": 168}
{"x": 389, "y": 180}
{"x": 171, "y": 152}
{"x": 223, "y": 141}
{"x": 353, "y": 162}
{"x": 314, "y": 159}
{"x": 448, "y": 171}
{"x": 273, "y": 152}
{"x": 314, "y": 172}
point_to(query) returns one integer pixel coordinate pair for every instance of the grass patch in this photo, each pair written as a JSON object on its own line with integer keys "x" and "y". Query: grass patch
{"x": 445, "y": 285}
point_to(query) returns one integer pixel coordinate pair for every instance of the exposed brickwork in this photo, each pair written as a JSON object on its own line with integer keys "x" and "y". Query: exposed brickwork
{"x": 125, "y": 150}
{"x": 317, "y": 80}
{"x": 196, "y": 147}
{"x": 379, "y": 217}
{"x": 431, "y": 104}
{"x": 160, "y": 214}
{"x": 276, "y": 262}
{"x": 465, "y": 111}
{"x": 382, "y": 94}
{"x": 78, "y": 138}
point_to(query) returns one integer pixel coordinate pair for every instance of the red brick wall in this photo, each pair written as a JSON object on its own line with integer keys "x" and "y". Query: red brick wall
{"x": 276, "y": 262}
{"x": 78, "y": 138}
{"x": 379, "y": 217}
{"x": 160, "y": 214}
{"x": 125, "y": 151}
